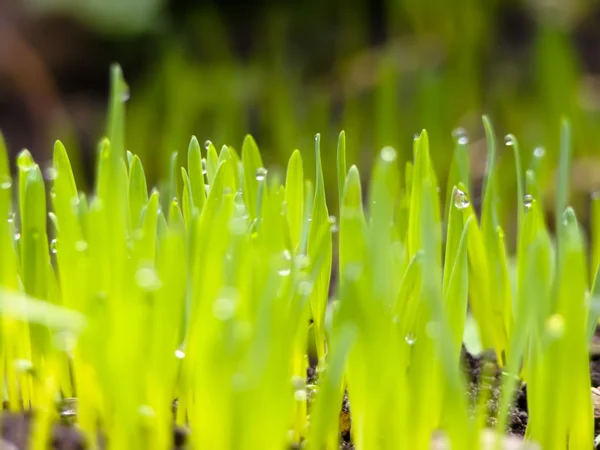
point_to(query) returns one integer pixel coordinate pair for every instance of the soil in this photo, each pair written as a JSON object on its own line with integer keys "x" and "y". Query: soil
{"x": 65, "y": 436}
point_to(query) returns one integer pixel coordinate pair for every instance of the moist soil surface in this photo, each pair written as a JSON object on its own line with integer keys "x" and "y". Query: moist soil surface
{"x": 480, "y": 371}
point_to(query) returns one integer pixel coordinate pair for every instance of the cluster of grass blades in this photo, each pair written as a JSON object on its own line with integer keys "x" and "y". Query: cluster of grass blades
{"x": 209, "y": 291}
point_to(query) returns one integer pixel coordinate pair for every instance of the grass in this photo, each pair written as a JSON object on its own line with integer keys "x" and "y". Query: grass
{"x": 212, "y": 289}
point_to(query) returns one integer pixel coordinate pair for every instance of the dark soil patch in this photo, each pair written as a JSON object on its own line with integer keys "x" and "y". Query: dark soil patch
{"x": 16, "y": 428}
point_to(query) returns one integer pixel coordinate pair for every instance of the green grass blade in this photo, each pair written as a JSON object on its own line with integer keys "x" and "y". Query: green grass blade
{"x": 294, "y": 198}
{"x": 318, "y": 226}
{"x": 252, "y": 162}
{"x": 196, "y": 174}
{"x": 138, "y": 191}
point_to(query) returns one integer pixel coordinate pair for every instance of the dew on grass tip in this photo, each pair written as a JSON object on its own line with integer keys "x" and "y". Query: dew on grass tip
{"x": 388, "y": 154}
{"x": 528, "y": 201}
{"x": 261, "y": 174}
{"x": 207, "y": 144}
{"x": 5, "y": 182}
{"x": 410, "y": 339}
{"x": 460, "y": 135}
{"x": 461, "y": 201}
{"x": 539, "y": 152}
{"x": 509, "y": 140}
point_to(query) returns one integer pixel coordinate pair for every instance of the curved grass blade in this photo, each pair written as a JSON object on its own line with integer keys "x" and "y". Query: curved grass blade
{"x": 252, "y": 162}
{"x": 138, "y": 191}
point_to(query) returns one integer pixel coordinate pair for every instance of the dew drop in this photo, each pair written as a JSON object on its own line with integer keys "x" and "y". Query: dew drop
{"x": 305, "y": 287}
{"x": 53, "y": 246}
{"x": 5, "y": 182}
{"x": 302, "y": 261}
{"x": 224, "y": 306}
{"x": 68, "y": 409}
{"x": 179, "y": 354}
{"x": 300, "y": 395}
{"x": 50, "y": 173}
{"x": 147, "y": 279}
{"x": 410, "y": 339}
{"x": 146, "y": 411}
{"x": 333, "y": 224}
{"x": 461, "y": 201}
{"x": 388, "y": 154}
{"x": 207, "y": 144}
{"x": 460, "y": 135}
{"x": 555, "y": 326}
{"x": 298, "y": 382}
{"x": 23, "y": 365}
{"x": 463, "y": 140}
{"x": 203, "y": 166}
{"x": 509, "y": 140}
{"x": 528, "y": 201}
{"x": 81, "y": 246}
{"x": 11, "y": 217}
{"x": 539, "y": 152}
{"x": 17, "y": 236}
{"x": 286, "y": 264}
{"x": 261, "y": 173}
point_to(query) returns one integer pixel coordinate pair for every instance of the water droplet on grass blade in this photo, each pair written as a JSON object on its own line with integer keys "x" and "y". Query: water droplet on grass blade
{"x": 461, "y": 201}
{"x": 300, "y": 395}
{"x": 555, "y": 326}
{"x": 388, "y": 154}
{"x": 463, "y": 140}
{"x": 81, "y": 246}
{"x": 509, "y": 140}
{"x": 286, "y": 264}
{"x": 528, "y": 201}
{"x": 539, "y": 152}
{"x": 5, "y": 182}
{"x": 68, "y": 409}
{"x": 17, "y": 236}
{"x": 23, "y": 366}
{"x": 50, "y": 173}
{"x": 53, "y": 246}
{"x": 11, "y": 217}
{"x": 333, "y": 224}
{"x": 179, "y": 354}
{"x": 261, "y": 174}
{"x": 305, "y": 287}
{"x": 302, "y": 261}
{"x": 410, "y": 339}
{"x": 147, "y": 279}
{"x": 207, "y": 144}
{"x": 224, "y": 306}
{"x": 203, "y": 166}
{"x": 298, "y": 382}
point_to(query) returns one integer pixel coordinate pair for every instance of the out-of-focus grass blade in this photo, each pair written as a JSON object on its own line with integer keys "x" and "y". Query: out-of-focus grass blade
{"x": 252, "y": 162}
{"x": 20, "y": 306}
{"x": 196, "y": 174}
{"x": 186, "y": 199}
{"x": 294, "y": 198}
{"x": 352, "y": 248}
{"x": 320, "y": 223}
{"x": 562, "y": 183}
{"x": 212, "y": 163}
{"x": 138, "y": 191}
{"x": 341, "y": 166}
{"x": 119, "y": 94}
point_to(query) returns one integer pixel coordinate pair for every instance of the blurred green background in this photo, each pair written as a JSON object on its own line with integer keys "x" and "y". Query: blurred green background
{"x": 382, "y": 70}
